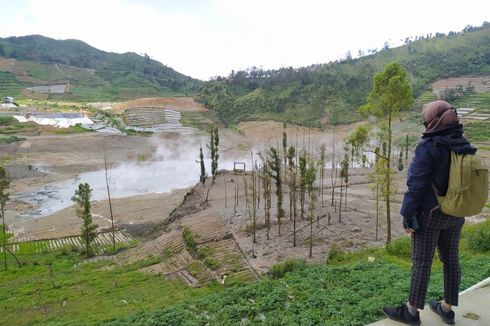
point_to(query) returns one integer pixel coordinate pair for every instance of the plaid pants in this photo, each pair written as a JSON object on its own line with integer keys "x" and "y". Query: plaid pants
{"x": 441, "y": 231}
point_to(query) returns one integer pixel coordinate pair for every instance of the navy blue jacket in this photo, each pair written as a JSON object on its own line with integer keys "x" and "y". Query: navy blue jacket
{"x": 431, "y": 164}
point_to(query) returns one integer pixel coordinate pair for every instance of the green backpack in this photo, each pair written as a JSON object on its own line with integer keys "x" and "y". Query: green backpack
{"x": 467, "y": 190}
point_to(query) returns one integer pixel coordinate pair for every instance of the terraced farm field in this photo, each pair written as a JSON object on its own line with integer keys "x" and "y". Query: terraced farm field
{"x": 101, "y": 241}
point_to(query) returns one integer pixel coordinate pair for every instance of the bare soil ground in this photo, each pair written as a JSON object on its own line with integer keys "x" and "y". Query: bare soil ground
{"x": 222, "y": 232}
{"x": 56, "y": 158}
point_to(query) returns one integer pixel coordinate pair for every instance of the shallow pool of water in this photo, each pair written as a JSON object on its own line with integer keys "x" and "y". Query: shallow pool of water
{"x": 125, "y": 180}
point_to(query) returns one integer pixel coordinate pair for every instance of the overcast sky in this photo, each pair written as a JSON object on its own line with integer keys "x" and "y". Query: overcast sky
{"x": 205, "y": 38}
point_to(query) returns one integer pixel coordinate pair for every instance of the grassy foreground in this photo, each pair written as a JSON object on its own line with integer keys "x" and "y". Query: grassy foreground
{"x": 59, "y": 288}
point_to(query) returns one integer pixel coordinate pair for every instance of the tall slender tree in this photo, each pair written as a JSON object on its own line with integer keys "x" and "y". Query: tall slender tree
{"x": 285, "y": 143}
{"x": 292, "y": 190}
{"x": 213, "y": 147}
{"x": 88, "y": 229}
{"x": 254, "y": 199}
{"x": 274, "y": 162}
{"x": 4, "y": 197}
{"x": 113, "y": 231}
{"x": 266, "y": 185}
{"x": 333, "y": 170}
{"x": 290, "y": 165}
{"x": 310, "y": 180}
{"x": 321, "y": 165}
{"x": 202, "y": 177}
{"x": 391, "y": 92}
{"x": 345, "y": 175}
{"x": 406, "y": 151}
{"x": 303, "y": 169}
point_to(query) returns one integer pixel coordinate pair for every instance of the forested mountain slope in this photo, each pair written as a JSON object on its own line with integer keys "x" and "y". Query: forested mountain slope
{"x": 331, "y": 93}
{"x": 42, "y": 60}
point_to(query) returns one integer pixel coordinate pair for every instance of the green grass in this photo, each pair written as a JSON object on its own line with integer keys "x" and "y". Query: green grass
{"x": 342, "y": 294}
{"x": 477, "y": 237}
{"x": 10, "y": 139}
{"x": 477, "y": 131}
{"x": 142, "y": 157}
{"x": 294, "y": 292}
{"x": 7, "y": 234}
{"x": 71, "y": 130}
{"x": 301, "y": 294}
{"x": 199, "y": 120}
{"x": 32, "y": 295}
{"x": 481, "y": 102}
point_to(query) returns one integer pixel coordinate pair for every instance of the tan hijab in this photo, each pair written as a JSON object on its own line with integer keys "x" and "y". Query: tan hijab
{"x": 439, "y": 115}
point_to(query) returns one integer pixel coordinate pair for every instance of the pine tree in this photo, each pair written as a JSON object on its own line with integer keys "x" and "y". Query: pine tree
{"x": 213, "y": 147}
{"x": 400, "y": 161}
{"x": 202, "y": 177}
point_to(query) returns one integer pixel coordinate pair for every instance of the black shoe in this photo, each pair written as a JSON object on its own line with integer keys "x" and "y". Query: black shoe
{"x": 402, "y": 315}
{"x": 447, "y": 317}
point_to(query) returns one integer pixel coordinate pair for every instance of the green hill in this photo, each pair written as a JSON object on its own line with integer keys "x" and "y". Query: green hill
{"x": 331, "y": 93}
{"x": 93, "y": 74}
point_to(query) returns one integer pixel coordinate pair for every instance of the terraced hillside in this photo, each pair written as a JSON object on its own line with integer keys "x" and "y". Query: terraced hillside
{"x": 9, "y": 85}
{"x": 154, "y": 119}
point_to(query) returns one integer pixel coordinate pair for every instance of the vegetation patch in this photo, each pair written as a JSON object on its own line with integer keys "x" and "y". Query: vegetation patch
{"x": 71, "y": 130}
{"x": 281, "y": 269}
{"x": 477, "y": 237}
{"x": 61, "y": 288}
{"x": 198, "y": 120}
{"x": 10, "y": 139}
{"x": 310, "y": 295}
{"x": 189, "y": 241}
{"x": 477, "y": 131}
{"x": 294, "y": 293}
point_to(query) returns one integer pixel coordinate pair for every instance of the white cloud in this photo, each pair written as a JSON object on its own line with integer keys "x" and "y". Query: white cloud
{"x": 208, "y": 38}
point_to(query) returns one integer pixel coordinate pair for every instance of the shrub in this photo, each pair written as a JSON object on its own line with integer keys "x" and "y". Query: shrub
{"x": 7, "y": 121}
{"x": 212, "y": 263}
{"x": 401, "y": 248}
{"x": 189, "y": 241}
{"x": 280, "y": 269}
{"x": 204, "y": 252}
{"x": 334, "y": 253}
{"x": 478, "y": 236}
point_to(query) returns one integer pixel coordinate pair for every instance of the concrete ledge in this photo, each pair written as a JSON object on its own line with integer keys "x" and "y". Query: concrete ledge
{"x": 473, "y": 309}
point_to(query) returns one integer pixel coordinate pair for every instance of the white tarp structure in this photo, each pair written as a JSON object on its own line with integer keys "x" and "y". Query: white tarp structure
{"x": 59, "y": 120}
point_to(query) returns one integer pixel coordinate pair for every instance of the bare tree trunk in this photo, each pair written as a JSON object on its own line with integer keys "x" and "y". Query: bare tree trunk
{"x": 388, "y": 184}
{"x": 340, "y": 200}
{"x": 6, "y": 249}
{"x": 294, "y": 181}
{"x": 377, "y": 208}
{"x": 345, "y": 197}
{"x": 311, "y": 236}
{"x": 4, "y": 230}
{"x": 110, "y": 202}
{"x": 224, "y": 180}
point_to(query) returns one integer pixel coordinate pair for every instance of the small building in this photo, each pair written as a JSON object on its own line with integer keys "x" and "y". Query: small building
{"x": 8, "y": 100}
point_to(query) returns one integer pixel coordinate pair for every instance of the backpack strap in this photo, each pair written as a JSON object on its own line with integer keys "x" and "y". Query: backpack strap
{"x": 424, "y": 141}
